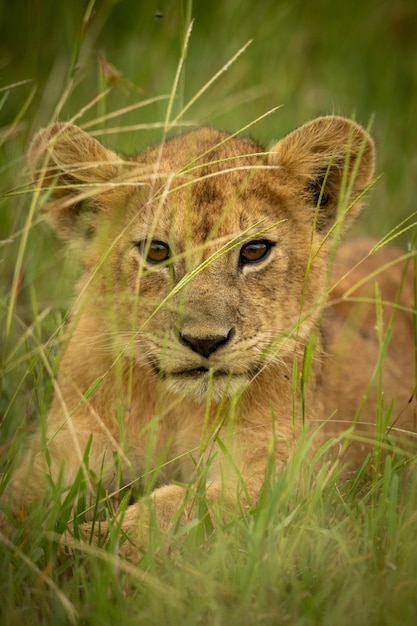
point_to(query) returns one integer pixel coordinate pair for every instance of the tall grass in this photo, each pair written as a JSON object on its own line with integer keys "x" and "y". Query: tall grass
{"x": 316, "y": 548}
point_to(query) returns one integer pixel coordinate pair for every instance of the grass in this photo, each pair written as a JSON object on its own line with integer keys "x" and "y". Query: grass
{"x": 314, "y": 554}
{"x": 316, "y": 549}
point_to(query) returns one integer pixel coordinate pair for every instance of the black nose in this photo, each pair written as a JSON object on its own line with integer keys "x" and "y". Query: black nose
{"x": 205, "y": 346}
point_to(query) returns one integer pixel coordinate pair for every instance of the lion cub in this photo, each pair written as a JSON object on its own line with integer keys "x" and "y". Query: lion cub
{"x": 202, "y": 331}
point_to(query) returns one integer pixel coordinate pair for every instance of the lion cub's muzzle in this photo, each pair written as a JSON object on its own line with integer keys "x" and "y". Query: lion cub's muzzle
{"x": 205, "y": 344}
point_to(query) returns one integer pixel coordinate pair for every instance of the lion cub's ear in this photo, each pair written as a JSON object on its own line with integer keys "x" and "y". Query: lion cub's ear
{"x": 328, "y": 161}
{"x": 74, "y": 168}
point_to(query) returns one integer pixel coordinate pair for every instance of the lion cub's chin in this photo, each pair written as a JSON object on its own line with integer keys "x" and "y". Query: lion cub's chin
{"x": 202, "y": 387}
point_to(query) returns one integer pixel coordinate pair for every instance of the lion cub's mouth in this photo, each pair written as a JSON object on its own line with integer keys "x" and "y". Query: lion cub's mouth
{"x": 202, "y": 371}
{"x": 192, "y": 373}
{"x": 199, "y": 382}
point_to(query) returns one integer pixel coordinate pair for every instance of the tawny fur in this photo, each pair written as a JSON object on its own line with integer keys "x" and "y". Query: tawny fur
{"x": 200, "y": 347}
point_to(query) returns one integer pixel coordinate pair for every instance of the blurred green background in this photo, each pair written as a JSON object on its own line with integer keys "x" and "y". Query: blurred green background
{"x": 354, "y": 57}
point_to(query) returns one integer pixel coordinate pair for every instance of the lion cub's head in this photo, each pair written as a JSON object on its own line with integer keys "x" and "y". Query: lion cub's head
{"x": 205, "y": 257}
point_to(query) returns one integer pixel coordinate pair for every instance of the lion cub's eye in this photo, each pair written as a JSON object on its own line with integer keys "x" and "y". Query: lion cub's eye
{"x": 154, "y": 251}
{"x": 255, "y": 251}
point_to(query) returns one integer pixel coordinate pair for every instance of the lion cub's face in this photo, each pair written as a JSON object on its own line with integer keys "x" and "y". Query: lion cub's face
{"x": 206, "y": 258}
{"x": 210, "y": 258}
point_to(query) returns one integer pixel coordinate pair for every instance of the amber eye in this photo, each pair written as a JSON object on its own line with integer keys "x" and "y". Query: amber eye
{"x": 154, "y": 251}
{"x": 255, "y": 251}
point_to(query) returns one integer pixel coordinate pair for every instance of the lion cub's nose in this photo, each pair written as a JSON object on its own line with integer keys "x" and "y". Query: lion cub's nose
{"x": 206, "y": 345}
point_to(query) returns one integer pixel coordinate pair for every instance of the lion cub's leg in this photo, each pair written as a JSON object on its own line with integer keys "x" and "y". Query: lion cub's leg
{"x": 166, "y": 508}
{"x": 233, "y": 484}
